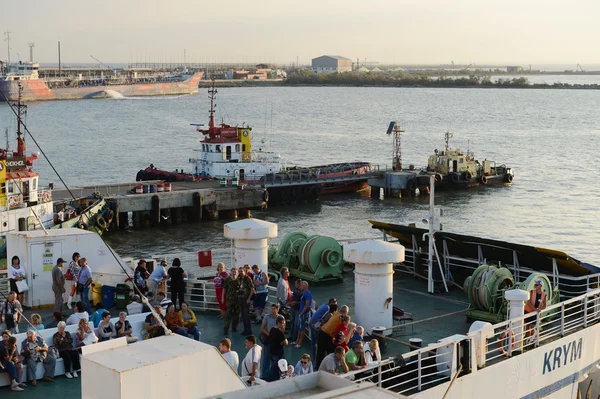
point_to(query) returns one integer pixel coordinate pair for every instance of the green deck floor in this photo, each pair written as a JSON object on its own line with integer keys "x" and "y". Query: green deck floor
{"x": 409, "y": 294}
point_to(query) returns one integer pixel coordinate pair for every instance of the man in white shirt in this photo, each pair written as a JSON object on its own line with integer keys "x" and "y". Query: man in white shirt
{"x": 136, "y": 306}
{"x": 250, "y": 365}
{"x": 78, "y": 314}
{"x": 229, "y": 355}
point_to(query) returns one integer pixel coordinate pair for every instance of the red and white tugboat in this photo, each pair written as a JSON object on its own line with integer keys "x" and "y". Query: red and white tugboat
{"x": 227, "y": 153}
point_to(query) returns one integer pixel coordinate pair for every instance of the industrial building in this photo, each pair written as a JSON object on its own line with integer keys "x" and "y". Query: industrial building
{"x": 331, "y": 63}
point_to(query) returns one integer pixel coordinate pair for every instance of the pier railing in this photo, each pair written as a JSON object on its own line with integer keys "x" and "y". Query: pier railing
{"x": 437, "y": 363}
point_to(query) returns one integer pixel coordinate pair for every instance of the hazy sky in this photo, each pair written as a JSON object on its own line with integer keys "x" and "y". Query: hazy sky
{"x": 388, "y": 31}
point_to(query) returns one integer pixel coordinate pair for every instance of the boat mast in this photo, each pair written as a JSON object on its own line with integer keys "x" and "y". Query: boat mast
{"x": 397, "y": 161}
{"x": 211, "y": 94}
{"x": 7, "y": 40}
{"x": 21, "y": 112}
{"x": 447, "y": 138}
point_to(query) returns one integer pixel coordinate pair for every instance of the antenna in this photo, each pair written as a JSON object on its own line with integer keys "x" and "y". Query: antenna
{"x": 397, "y": 155}
{"x": 21, "y": 112}
{"x": 7, "y": 40}
{"x": 211, "y": 94}
{"x": 31, "y": 46}
{"x": 447, "y": 138}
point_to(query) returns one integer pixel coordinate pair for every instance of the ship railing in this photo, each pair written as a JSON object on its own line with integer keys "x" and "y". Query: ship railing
{"x": 19, "y": 200}
{"x": 435, "y": 364}
{"x": 569, "y": 286}
{"x": 4, "y": 283}
{"x": 265, "y": 157}
{"x": 296, "y": 178}
{"x": 419, "y": 370}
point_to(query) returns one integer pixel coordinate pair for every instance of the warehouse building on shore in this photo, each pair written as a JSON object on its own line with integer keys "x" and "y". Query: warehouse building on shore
{"x": 331, "y": 63}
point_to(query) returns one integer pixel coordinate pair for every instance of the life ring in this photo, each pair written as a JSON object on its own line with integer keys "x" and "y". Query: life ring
{"x": 455, "y": 178}
{"x": 503, "y": 345}
{"x": 509, "y": 178}
{"x": 468, "y": 176}
{"x": 45, "y": 196}
{"x": 82, "y": 225}
{"x": 101, "y": 222}
{"x": 483, "y": 180}
{"x": 13, "y": 201}
{"x": 438, "y": 177}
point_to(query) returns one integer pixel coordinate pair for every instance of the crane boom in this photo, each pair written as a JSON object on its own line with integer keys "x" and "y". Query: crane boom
{"x": 107, "y": 67}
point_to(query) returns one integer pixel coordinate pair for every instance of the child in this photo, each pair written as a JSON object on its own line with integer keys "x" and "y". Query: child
{"x": 340, "y": 340}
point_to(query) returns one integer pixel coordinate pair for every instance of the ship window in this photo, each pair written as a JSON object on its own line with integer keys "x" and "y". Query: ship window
{"x": 3, "y": 188}
{"x": 237, "y": 148}
{"x": 461, "y": 160}
{"x": 34, "y": 184}
{"x": 244, "y": 147}
{"x": 218, "y": 148}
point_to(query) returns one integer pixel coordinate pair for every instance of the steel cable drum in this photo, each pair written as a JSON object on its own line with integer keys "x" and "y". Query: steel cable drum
{"x": 320, "y": 251}
{"x": 286, "y": 247}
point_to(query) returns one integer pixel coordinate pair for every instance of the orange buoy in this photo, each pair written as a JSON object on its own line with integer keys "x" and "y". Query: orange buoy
{"x": 167, "y": 187}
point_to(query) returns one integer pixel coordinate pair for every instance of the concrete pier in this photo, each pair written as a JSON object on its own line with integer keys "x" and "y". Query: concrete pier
{"x": 191, "y": 201}
{"x": 395, "y": 184}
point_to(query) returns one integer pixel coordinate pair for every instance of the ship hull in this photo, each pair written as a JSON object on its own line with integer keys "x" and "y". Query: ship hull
{"x": 37, "y": 90}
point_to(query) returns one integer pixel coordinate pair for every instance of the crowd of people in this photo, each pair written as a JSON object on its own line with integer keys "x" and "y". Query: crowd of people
{"x": 93, "y": 324}
{"x": 337, "y": 344}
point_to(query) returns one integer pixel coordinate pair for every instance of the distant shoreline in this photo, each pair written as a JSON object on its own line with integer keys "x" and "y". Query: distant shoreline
{"x": 384, "y": 80}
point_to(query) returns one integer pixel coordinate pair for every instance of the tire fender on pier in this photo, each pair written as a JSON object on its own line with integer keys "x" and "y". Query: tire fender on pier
{"x": 197, "y": 204}
{"x": 155, "y": 212}
{"x": 483, "y": 180}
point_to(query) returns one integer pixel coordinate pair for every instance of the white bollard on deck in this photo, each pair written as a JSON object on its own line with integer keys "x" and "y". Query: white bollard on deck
{"x": 250, "y": 242}
{"x": 373, "y": 281}
{"x": 516, "y": 308}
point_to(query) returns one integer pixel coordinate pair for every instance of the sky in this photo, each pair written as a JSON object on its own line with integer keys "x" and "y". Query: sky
{"x": 502, "y": 32}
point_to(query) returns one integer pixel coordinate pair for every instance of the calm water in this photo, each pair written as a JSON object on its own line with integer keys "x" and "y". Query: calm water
{"x": 550, "y": 138}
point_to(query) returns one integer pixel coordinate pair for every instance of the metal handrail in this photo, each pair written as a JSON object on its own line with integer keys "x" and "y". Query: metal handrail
{"x": 528, "y": 331}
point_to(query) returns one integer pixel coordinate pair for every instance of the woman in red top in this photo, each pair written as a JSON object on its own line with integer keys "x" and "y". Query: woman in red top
{"x": 218, "y": 280}
{"x": 342, "y": 334}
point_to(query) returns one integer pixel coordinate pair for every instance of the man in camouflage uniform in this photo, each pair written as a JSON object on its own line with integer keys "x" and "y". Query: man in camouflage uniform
{"x": 231, "y": 289}
{"x": 245, "y": 298}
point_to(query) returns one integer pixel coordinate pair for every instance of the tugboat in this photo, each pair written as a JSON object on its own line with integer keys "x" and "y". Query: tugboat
{"x": 227, "y": 153}
{"x": 453, "y": 169}
{"x": 24, "y": 204}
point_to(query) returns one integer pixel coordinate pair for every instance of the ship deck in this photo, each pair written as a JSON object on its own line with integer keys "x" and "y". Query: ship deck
{"x": 409, "y": 294}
